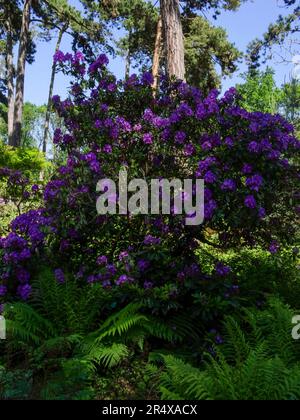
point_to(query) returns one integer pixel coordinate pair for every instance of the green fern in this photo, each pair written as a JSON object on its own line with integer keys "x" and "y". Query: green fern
{"x": 109, "y": 356}
{"x": 26, "y": 325}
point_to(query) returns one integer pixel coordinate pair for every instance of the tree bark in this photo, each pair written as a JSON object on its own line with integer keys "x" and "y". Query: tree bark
{"x": 10, "y": 83}
{"x": 19, "y": 97}
{"x": 51, "y": 87}
{"x": 173, "y": 38}
{"x": 127, "y": 65}
{"x": 157, "y": 55}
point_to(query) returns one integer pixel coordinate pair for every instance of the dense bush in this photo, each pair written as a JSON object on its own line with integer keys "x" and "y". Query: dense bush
{"x": 23, "y": 172}
{"x": 246, "y": 160}
{"x": 29, "y": 161}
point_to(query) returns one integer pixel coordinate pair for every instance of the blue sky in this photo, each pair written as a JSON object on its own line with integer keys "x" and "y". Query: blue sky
{"x": 249, "y": 22}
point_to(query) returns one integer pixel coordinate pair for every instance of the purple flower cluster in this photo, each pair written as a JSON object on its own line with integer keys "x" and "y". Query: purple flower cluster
{"x": 254, "y": 183}
{"x": 222, "y": 270}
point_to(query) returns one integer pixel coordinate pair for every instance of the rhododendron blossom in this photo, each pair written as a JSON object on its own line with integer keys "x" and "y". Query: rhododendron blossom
{"x": 246, "y": 159}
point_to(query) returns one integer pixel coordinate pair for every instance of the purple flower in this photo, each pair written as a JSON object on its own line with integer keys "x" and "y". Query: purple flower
{"x": 181, "y": 276}
{"x": 222, "y": 270}
{"x": 143, "y": 265}
{"x": 261, "y": 213}
{"x": 274, "y": 155}
{"x": 137, "y": 128}
{"x": 111, "y": 269}
{"x": 250, "y": 202}
{"x": 228, "y": 185}
{"x": 254, "y": 183}
{"x": 98, "y": 124}
{"x": 219, "y": 340}
{"x": 274, "y": 247}
{"x": 148, "y": 285}
{"x": 59, "y": 276}
{"x": 210, "y": 177}
{"x": 60, "y": 57}
{"x": 64, "y": 245}
{"x": 253, "y": 147}
{"x": 229, "y": 142}
{"x": 189, "y": 150}
{"x": 24, "y": 255}
{"x": 101, "y": 61}
{"x": 205, "y": 164}
{"x": 107, "y": 149}
{"x": 180, "y": 137}
{"x": 35, "y": 188}
{"x": 91, "y": 279}
{"x": 123, "y": 124}
{"x": 111, "y": 87}
{"x": 24, "y": 291}
{"x": 106, "y": 284}
{"x": 148, "y": 138}
{"x": 209, "y": 209}
{"x": 122, "y": 280}
{"x": 207, "y": 145}
{"x": 123, "y": 255}
{"x": 102, "y": 260}
{"x": 247, "y": 169}
{"x": 3, "y": 290}
{"x": 166, "y": 134}
{"x": 147, "y": 79}
{"x": 151, "y": 240}
{"x": 265, "y": 144}
{"x": 95, "y": 166}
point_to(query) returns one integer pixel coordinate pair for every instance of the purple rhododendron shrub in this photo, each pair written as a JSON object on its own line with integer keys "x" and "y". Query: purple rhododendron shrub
{"x": 246, "y": 159}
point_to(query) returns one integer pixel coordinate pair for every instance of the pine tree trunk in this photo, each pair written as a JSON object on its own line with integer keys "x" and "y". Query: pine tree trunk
{"x": 157, "y": 54}
{"x": 51, "y": 87}
{"x": 128, "y": 56}
{"x": 173, "y": 38}
{"x": 10, "y": 83}
{"x": 19, "y": 98}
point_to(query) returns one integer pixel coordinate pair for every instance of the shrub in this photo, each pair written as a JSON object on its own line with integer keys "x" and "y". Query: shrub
{"x": 23, "y": 172}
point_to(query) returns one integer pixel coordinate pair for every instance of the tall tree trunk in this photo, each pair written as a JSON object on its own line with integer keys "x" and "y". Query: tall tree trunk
{"x": 128, "y": 56}
{"x": 173, "y": 38}
{"x": 157, "y": 54}
{"x": 10, "y": 83}
{"x": 19, "y": 98}
{"x": 51, "y": 87}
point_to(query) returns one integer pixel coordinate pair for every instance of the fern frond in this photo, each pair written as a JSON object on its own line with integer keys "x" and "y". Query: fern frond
{"x": 109, "y": 356}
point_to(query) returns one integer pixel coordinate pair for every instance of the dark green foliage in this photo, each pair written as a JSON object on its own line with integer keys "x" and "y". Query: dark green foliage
{"x": 205, "y": 47}
{"x": 66, "y": 344}
{"x": 283, "y": 33}
{"x": 15, "y": 384}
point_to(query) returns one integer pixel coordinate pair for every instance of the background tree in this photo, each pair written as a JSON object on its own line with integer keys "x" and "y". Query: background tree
{"x": 10, "y": 32}
{"x": 284, "y": 33}
{"x": 290, "y": 102}
{"x": 208, "y": 53}
{"x": 206, "y": 47}
{"x": 20, "y": 76}
{"x": 19, "y": 20}
{"x": 62, "y": 18}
